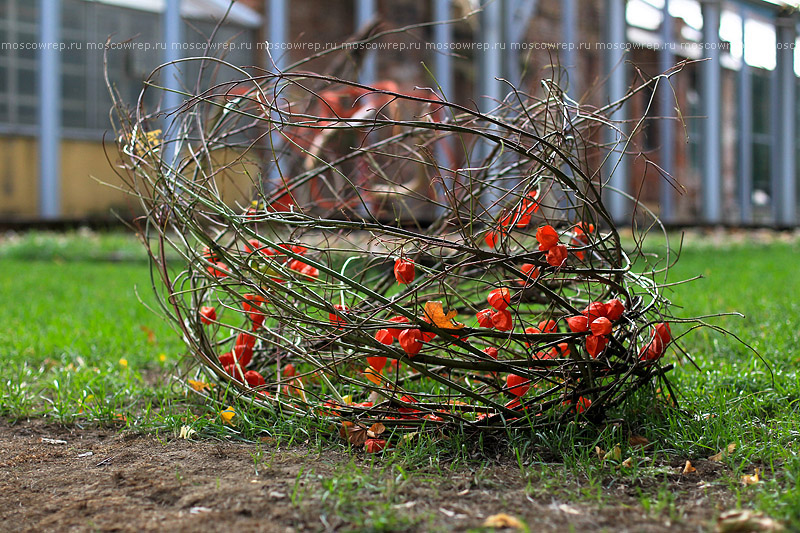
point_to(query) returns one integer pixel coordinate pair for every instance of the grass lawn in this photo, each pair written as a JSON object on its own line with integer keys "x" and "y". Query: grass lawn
{"x": 79, "y": 347}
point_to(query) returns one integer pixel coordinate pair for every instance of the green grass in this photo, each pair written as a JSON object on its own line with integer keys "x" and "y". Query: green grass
{"x": 70, "y": 325}
{"x": 71, "y": 313}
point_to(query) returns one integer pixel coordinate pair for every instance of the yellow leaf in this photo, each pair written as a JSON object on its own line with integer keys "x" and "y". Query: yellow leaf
{"x": 347, "y": 399}
{"x": 750, "y": 480}
{"x": 723, "y": 453}
{"x": 435, "y": 313}
{"x": 199, "y": 386}
{"x": 601, "y": 453}
{"x": 227, "y": 415}
{"x": 503, "y": 520}
{"x": 688, "y": 468}
{"x": 408, "y": 438}
{"x": 615, "y": 454}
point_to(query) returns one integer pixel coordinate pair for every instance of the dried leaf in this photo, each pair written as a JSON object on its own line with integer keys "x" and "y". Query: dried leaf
{"x": 750, "y": 480}
{"x": 503, "y": 520}
{"x": 375, "y": 430}
{"x": 723, "y": 453}
{"x": 688, "y": 468}
{"x": 435, "y": 313}
{"x": 355, "y": 434}
{"x": 186, "y": 432}
{"x": 746, "y": 521}
{"x": 638, "y": 440}
{"x": 601, "y": 453}
{"x": 628, "y": 463}
{"x": 408, "y": 437}
{"x": 615, "y": 454}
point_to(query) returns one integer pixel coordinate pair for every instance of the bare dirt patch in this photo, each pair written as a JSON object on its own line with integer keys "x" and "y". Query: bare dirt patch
{"x": 103, "y": 480}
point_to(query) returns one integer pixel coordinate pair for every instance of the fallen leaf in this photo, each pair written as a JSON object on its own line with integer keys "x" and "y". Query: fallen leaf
{"x": 628, "y": 463}
{"x": 615, "y": 454}
{"x": 408, "y": 438}
{"x": 186, "y": 432}
{"x": 723, "y": 453}
{"x": 375, "y": 430}
{"x": 750, "y": 480}
{"x": 503, "y": 520}
{"x": 638, "y": 440}
{"x": 688, "y": 468}
{"x": 199, "y": 386}
{"x": 355, "y": 434}
{"x": 227, "y": 415}
{"x": 742, "y": 521}
{"x": 601, "y": 453}
{"x": 435, "y": 313}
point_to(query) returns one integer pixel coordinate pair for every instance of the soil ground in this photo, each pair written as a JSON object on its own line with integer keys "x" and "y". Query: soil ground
{"x": 104, "y": 480}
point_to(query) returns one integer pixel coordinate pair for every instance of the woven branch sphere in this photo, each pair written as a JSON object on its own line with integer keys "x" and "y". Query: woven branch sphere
{"x": 395, "y": 258}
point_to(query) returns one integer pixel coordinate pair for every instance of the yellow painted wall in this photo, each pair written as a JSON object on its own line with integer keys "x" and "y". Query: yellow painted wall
{"x": 84, "y": 166}
{"x": 18, "y": 177}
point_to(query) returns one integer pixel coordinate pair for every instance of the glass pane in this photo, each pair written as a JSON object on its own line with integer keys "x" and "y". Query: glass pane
{"x": 73, "y": 118}
{"x": 74, "y": 53}
{"x": 73, "y": 15}
{"x": 73, "y": 87}
{"x": 27, "y": 114}
{"x": 761, "y": 102}
{"x": 27, "y": 82}
{"x": 761, "y": 167}
{"x": 27, "y": 50}
{"x": 28, "y": 11}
